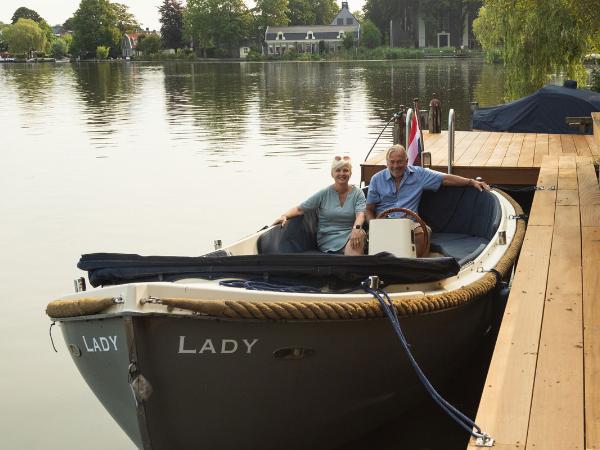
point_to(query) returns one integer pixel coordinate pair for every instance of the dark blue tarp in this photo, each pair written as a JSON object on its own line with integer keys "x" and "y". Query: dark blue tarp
{"x": 544, "y": 111}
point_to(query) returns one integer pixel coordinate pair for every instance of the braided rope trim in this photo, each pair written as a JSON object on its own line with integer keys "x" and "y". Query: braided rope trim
{"x": 320, "y": 310}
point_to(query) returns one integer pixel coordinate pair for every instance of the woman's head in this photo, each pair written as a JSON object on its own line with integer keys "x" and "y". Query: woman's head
{"x": 341, "y": 169}
{"x": 340, "y": 161}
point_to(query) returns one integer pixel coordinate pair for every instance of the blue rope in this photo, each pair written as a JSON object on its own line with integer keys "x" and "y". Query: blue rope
{"x": 391, "y": 313}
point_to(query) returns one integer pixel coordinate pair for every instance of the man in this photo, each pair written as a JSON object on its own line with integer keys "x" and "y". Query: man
{"x": 401, "y": 185}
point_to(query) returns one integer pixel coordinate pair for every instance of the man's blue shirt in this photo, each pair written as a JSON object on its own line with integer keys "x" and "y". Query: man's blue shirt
{"x": 382, "y": 188}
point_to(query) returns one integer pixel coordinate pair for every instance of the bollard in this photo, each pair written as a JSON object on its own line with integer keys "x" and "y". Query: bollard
{"x": 435, "y": 115}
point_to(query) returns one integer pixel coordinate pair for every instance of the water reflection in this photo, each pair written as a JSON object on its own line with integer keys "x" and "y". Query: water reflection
{"x": 106, "y": 90}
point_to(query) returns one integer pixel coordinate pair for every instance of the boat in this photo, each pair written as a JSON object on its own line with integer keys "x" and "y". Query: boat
{"x": 544, "y": 111}
{"x": 267, "y": 343}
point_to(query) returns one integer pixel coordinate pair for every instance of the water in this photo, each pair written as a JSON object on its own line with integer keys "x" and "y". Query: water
{"x": 163, "y": 159}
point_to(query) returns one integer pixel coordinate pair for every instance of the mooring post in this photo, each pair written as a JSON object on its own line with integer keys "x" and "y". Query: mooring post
{"x": 451, "y": 121}
{"x": 435, "y": 115}
{"x": 474, "y": 107}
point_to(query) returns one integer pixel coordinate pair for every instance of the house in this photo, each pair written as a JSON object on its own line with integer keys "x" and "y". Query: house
{"x": 306, "y": 38}
{"x": 443, "y": 26}
{"x": 129, "y": 44}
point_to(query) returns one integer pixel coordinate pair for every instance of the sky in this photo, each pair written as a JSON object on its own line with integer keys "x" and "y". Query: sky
{"x": 146, "y": 11}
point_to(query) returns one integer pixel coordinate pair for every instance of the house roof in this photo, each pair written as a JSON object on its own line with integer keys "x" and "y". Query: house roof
{"x": 298, "y": 32}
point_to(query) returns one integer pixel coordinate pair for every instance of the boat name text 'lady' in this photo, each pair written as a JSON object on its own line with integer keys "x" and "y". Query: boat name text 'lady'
{"x": 226, "y": 346}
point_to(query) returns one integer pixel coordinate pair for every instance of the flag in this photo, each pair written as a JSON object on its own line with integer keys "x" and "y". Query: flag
{"x": 414, "y": 142}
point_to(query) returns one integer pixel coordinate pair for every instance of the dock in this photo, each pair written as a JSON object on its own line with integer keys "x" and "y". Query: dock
{"x": 499, "y": 158}
{"x": 542, "y": 389}
{"x": 543, "y": 385}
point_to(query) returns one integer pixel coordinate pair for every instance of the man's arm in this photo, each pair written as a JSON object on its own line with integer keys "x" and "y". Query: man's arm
{"x": 455, "y": 180}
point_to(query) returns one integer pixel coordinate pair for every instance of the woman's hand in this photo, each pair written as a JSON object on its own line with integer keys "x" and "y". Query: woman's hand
{"x": 357, "y": 237}
{"x": 281, "y": 220}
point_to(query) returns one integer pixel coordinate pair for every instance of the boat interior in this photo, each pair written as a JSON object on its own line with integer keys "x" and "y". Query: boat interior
{"x": 463, "y": 222}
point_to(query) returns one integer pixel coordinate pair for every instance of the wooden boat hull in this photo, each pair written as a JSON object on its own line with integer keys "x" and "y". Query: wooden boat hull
{"x": 241, "y": 384}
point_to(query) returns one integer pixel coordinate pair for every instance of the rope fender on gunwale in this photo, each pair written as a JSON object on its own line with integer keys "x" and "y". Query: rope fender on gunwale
{"x": 318, "y": 310}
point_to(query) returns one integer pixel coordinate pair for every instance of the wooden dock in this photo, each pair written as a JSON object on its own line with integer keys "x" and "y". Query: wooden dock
{"x": 543, "y": 386}
{"x": 499, "y": 158}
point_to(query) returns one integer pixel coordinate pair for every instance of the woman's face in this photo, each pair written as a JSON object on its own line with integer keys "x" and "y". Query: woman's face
{"x": 341, "y": 174}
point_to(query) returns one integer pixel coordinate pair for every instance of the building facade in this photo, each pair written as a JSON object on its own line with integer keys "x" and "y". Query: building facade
{"x": 307, "y": 38}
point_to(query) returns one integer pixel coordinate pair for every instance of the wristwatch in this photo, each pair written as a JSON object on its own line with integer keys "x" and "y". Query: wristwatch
{"x": 358, "y": 227}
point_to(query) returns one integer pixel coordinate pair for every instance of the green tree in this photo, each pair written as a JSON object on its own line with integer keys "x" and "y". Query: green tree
{"x": 69, "y": 24}
{"x": 94, "y": 25}
{"x": 271, "y": 13}
{"x": 125, "y": 21}
{"x": 370, "y": 36}
{"x": 59, "y": 48}
{"x": 220, "y": 24}
{"x": 24, "y": 35}
{"x": 149, "y": 44}
{"x": 171, "y": 19}
{"x": 102, "y": 52}
{"x": 537, "y": 39}
{"x": 325, "y": 11}
{"x": 312, "y": 12}
{"x": 348, "y": 41}
{"x": 26, "y": 13}
{"x": 3, "y": 43}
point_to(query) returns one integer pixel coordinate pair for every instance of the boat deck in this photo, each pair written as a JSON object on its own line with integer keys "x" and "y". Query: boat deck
{"x": 499, "y": 158}
{"x": 543, "y": 386}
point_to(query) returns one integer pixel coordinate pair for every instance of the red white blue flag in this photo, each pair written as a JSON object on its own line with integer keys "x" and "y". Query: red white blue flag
{"x": 414, "y": 142}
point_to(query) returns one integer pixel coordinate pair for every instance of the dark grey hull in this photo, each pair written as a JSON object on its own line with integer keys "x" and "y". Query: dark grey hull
{"x": 225, "y": 384}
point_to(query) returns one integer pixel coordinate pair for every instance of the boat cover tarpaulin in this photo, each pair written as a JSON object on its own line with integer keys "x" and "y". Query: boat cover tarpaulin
{"x": 116, "y": 268}
{"x": 544, "y": 111}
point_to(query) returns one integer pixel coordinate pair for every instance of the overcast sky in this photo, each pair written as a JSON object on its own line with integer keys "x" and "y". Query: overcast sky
{"x": 57, "y": 11}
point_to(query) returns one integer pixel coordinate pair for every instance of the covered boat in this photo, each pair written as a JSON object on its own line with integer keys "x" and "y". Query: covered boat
{"x": 544, "y": 111}
{"x": 268, "y": 343}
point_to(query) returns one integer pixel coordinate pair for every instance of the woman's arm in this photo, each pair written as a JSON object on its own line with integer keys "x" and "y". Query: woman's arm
{"x": 294, "y": 212}
{"x": 357, "y": 235}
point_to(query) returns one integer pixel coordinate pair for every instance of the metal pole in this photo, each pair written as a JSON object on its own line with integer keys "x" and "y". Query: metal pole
{"x": 409, "y": 115}
{"x": 450, "y": 140}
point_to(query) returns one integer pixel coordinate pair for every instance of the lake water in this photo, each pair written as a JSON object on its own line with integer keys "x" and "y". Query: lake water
{"x": 163, "y": 159}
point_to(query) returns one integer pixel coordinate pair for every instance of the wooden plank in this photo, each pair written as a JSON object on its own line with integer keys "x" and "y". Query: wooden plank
{"x": 554, "y": 144}
{"x": 591, "y": 334}
{"x": 567, "y": 172}
{"x": 594, "y": 148}
{"x": 460, "y": 139}
{"x": 583, "y": 149}
{"x": 568, "y": 146}
{"x": 467, "y": 155}
{"x": 541, "y": 148}
{"x": 505, "y": 403}
{"x": 486, "y": 151}
{"x": 557, "y": 420}
{"x": 596, "y": 130}
{"x": 542, "y": 208}
{"x": 527, "y": 150}
{"x": 499, "y": 151}
{"x": 514, "y": 149}
{"x": 589, "y": 192}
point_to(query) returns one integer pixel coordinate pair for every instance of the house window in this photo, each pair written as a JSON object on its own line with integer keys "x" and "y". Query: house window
{"x": 341, "y": 35}
{"x": 340, "y": 21}
{"x": 349, "y": 21}
{"x": 280, "y": 36}
{"x": 310, "y": 35}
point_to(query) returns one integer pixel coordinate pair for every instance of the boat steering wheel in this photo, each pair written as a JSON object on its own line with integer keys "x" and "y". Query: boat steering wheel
{"x": 421, "y": 222}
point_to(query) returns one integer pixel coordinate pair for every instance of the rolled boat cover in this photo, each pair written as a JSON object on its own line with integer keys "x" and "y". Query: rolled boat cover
{"x": 316, "y": 268}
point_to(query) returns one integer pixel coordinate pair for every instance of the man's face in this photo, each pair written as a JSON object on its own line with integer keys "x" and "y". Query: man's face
{"x": 397, "y": 164}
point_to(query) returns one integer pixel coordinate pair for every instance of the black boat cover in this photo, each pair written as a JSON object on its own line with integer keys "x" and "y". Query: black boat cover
{"x": 319, "y": 268}
{"x": 544, "y": 111}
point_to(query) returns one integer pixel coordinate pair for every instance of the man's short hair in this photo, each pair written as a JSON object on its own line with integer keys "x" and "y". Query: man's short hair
{"x": 395, "y": 148}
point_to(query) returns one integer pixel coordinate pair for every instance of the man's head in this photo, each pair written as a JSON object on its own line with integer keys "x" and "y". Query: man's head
{"x": 396, "y": 160}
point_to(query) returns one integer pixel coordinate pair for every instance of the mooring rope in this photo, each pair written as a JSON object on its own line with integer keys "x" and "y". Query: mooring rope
{"x": 375, "y": 143}
{"x": 372, "y": 287}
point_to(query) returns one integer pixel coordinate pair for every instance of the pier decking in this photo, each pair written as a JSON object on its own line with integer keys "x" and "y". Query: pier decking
{"x": 500, "y": 158}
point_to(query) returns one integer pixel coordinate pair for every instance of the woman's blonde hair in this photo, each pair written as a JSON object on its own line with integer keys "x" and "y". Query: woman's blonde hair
{"x": 341, "y": 161}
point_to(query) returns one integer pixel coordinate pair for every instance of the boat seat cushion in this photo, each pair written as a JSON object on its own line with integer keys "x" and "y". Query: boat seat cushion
{"x": 463, "y": 247}
{"x": 299, "y": 235}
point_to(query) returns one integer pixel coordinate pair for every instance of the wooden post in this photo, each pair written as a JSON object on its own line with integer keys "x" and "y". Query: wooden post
{"x": 435, "y": 115}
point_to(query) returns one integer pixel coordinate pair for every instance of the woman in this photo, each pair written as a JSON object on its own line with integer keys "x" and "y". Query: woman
{"x": 341, "y": 212}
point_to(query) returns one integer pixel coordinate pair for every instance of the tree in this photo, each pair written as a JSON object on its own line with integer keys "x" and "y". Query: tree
{"x": 370, "y": 35}
{"x": 3, "y": 43}
{"x": 124, "y": 20}
{"x": 171, "y": 19}
{"x": 24, "y": 35}
{"x": 68, "y": 25}
{"x": 26, "y": 13}
{"x": 537, "y": 39}
{"x": 94, "y": 24}
{"x": 149, "y": 44}
{"x": 220, "y": 24}
{"x": 272, "y": 13}
{"x": 348, "y": 41}
{"x": 59, "y": 48}
{"x": 312, "y": 12}
{"x": 102, "y": 52}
